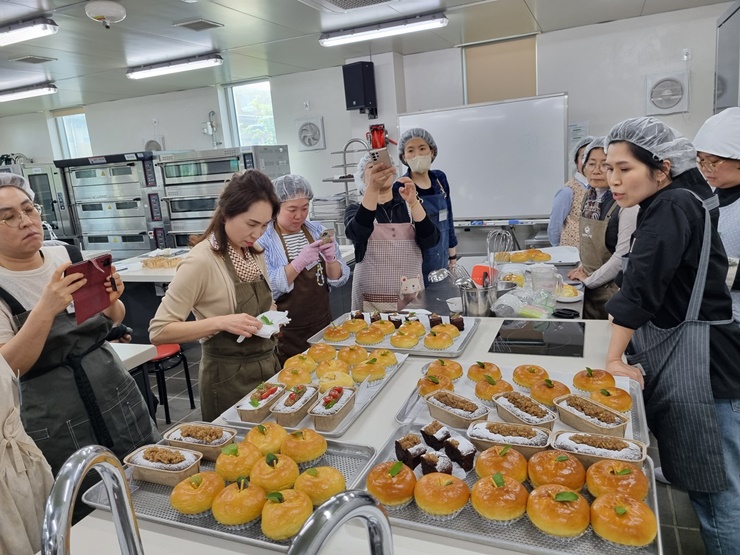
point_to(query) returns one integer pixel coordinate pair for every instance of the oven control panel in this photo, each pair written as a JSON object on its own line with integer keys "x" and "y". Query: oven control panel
{"x": 150, "y": 177}
{"x": 155, "y": 207}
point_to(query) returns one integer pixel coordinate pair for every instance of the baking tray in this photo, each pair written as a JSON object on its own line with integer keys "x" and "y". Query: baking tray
{"x": 365, "y": 395}
{"x": 457, "y": 348}
{"x": 152, "y": 501}
{"x": 636, "y": 429}
{"x": 520, "y": 536}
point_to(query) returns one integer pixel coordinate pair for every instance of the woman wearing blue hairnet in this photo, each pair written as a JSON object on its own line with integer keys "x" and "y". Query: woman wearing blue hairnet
{"x": 417, "y": 151}
{"x": 302, "y": 267}
{"x": 673, "y": 317}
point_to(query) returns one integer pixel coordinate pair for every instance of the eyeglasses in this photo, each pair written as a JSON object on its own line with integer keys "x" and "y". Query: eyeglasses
{"x": 591, "y": 166}
{"x": 710, "y": 167}
{"x": 14, "y": 219}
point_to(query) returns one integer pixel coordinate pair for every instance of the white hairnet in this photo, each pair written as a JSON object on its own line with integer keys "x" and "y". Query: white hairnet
{"x": 360, "y": 173}
{"x": 598, "y": 142}
{"x": 416, "y": 133}
{"x": 720, "y": 135}
{"x": 292, "y": 187}
{"x": 578, "y": 146}
{"x": 660, "y": 140}
{"x": 15, "y": 180}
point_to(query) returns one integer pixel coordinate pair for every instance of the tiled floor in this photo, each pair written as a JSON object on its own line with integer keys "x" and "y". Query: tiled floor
{"x": 679, "y": 526}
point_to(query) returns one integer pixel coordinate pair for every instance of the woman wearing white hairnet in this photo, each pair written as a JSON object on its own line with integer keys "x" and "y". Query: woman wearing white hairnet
{"x": 605, "y": 235}
{"x": 718, "y": 150}
{"x": 389, "y": 230}
{"x": 302, "y": 267}
{"x": 673, "y": 316}
{"x": 417, "y": 151}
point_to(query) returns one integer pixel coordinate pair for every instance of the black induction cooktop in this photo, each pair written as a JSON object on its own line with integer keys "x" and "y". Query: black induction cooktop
{"x": 538, "y": 337}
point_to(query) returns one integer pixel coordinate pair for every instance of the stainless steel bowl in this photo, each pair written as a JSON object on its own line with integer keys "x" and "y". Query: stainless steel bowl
{"x": 503, "y": 287}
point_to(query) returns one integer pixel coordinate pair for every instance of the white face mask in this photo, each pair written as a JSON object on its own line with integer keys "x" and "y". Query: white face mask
{"x": 420, "y": 164}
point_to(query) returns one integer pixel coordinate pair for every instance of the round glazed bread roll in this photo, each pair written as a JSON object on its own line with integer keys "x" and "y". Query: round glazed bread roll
{"x": 195, "y": 494}
{"x": 439, "y": 494}
{"x": 429, "y": 383}
{"x": 499, "y": 497}
{"x": 333, "y": 365}
{"x": 501, "y": 459}
{"x": 294, "y": 375}
{"x": 320, "y": 483}
{"x": 335, "y": 333}
{"x": 237, "y": 460}
{"x": 304, "y": 362}
{"x": 369, "y": 369}
{"x": 352, "y": 354}
{"x": 369, "y": 336}
{"x": 334, "y": 379}
{"x": 414, "y": 327}
{"x": 322, "y": 351}
{"x": 527, "y": 375}
{"x": 541, "y": 257}
{"x": 544, "y": 391}
{"x": 449, "y": 329}
{"x": 283, "y": 515}
{"x": 353, "y": 325}
{"x": 564, "y": 516}
{"x": 437, "y": 340}
{"x": 391, "y": 484}
{"x": 614, "y": 398}
{"x": 386, "y": 326}
{"x": 519, "y": 257}
{"x": 610, "y": 476}
{"x": 239, "y": 503}
{"x": 445, "y": 367}
{"x": 486, "y": 388}
{"x": 622, "y": 519}
{"x": 404, "y": 340}
{"x": 267, "y": 437}
{"x": 482, "y": 368}
{"x": 274, "y": 472}
{"x": 304, "y": 445}
{"x": 556, "y": 467}
{"x": 384, "y": 357}
{"x": 590, "y": 379}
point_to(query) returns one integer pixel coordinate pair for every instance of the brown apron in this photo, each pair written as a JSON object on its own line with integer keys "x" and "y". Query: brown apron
{"x": 229, "y": 370}
{"x": 594, "y": 255}
{"x": 570, "y": 234}
{"x": 307, "y": 305}
{"x": 391, "y": 252}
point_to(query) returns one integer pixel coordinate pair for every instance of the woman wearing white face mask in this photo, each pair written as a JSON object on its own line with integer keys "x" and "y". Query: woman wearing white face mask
{"x": 418, "y": 150}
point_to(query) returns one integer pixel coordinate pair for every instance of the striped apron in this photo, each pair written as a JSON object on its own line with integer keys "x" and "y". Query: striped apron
{"x": 678, "y": 393}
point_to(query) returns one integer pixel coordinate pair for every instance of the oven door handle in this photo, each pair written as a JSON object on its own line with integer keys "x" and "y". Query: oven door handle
{"x": 104, "y": 200}
{"x": 199, "y": 197}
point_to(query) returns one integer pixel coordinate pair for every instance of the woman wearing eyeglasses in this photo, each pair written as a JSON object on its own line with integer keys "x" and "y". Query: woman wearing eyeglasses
{"x": 75, "y": 390}
{"x": 605, "y": 235}
{"x": 718, "y": 154}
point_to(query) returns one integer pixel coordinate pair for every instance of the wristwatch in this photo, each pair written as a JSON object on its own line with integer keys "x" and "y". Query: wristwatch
{"x": 454, "y": 257}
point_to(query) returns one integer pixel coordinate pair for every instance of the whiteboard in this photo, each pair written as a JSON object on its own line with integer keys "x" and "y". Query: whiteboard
{"x": 503, "y": 160}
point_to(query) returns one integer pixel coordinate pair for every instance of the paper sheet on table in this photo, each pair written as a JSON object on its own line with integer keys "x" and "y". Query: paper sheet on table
{"x": 276, "y": 318}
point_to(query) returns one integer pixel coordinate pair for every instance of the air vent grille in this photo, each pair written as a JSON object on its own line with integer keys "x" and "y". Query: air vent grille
{"x": 33, "y": 59}
{"x": 334, "y": 6}
{"x": 197, "y": 24}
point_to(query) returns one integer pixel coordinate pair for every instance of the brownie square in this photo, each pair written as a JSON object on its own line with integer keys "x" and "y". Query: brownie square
{"x": 434, "y": 320}
{"x": 457, "y": 321}
{"x": 375, "y": 317}
{"x": 358, "y": 315}
{"x": 435, "y": 462}
{"x": 435, "y": 434}
{"x": 409, "y": 450}
{"x": 461, "y": 451}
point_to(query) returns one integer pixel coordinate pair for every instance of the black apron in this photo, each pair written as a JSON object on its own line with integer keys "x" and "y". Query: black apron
{"x": 678, "y": 394}
{"x": 307, "y": 305}
{"x": 229, "y": 370}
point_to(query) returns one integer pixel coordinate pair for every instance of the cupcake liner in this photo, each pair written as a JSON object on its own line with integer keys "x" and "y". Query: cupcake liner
{"x": 438, "y": 348}
{"x": 370, "y": 343}
{"x": 621, "y": 545}
{"x": 309, "y": 464}
{"x": 397, "y": 507}
{"x": 487, "y": 402}
{"x": 562, "y": 539}
{"x": 238, "y": 527}
{"x": 196, "y": 515}
{"x": 521, "y": 388}
{"x": 441, "y": 518}
{"x": 499, "y": 523}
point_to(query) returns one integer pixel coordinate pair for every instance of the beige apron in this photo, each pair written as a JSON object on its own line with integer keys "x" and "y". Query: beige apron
{"x": 25, "y": 477}
{"x": 391, "y": 252}
{"x": 594, "y": 255}
{"x": 229, "y": 370}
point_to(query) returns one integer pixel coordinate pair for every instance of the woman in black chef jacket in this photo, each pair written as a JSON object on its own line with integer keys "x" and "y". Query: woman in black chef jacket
{"x": 389, "y": 229}
{"x": 673, "y": 317}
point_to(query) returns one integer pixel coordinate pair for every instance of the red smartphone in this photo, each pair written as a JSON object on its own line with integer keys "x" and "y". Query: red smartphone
{"x": 92, "y": 297}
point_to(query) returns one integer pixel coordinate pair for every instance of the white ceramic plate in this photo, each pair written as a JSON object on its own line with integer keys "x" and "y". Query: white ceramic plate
{"x": 571, "y": 299}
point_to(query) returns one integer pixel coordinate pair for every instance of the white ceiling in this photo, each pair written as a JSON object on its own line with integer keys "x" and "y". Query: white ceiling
{"x": 260, "y": 38}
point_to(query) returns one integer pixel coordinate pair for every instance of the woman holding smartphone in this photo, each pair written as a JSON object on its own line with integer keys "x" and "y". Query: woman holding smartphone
{"x": 303, "y": 262}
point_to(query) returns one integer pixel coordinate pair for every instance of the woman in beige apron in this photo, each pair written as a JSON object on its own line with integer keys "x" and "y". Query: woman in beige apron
{"x": 223, "y": 282}
{"x": 605, "y": 233}
{"x": 303, "y": 263}
{"x": 25, "y": 476}
{"x": 389, "y": 230}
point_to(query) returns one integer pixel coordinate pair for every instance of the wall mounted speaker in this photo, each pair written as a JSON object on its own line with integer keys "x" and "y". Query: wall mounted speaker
{"x": 359, "y": 86}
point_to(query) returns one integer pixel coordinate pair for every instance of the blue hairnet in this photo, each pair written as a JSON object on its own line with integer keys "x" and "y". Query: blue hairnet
{"x": 598, "y": 142}
{"x": 292, "y": 187}
{"x": 15, "y": 180}
{"x": 663, "y": 142}
{"x": 416, "y": 133}
{"x": 578, "y": 146}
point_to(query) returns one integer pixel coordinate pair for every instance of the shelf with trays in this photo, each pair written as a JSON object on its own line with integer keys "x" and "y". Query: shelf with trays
{"x": 345, "y": 166}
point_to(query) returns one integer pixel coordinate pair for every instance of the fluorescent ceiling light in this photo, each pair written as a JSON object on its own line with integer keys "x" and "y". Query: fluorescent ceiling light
{"x": 380, "y": 30}
{"x": 27, "y": 92}
{"x": 175, "y": 66}
{"x": 27, "y": 30}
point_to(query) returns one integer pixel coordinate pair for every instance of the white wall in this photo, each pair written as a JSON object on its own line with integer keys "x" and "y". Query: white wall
{"x": 126, "y": 125}
{"x": 28, "y": 134}
{"x": 603, "y": 67}
{"x": 434, "y": 80}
